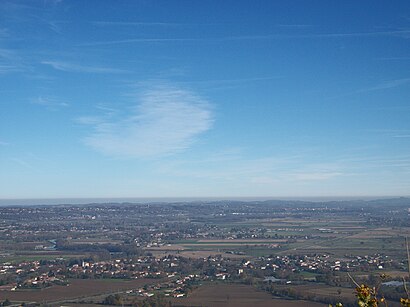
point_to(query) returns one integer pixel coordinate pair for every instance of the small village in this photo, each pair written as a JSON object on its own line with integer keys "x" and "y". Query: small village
{"x": 171, "y": 272}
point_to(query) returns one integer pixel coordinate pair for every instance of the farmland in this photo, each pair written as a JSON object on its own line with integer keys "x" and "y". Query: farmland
{"x": 202, "y": 254}
{"x": 75, "y": 290}
{"x": 236, "y": 295}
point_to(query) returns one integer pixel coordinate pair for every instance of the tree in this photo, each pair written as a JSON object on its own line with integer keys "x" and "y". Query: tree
{"x": 112, "y": 300}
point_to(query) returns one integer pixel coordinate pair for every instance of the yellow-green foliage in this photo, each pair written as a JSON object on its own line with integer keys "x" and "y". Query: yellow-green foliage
{"x": 368, "y": 297}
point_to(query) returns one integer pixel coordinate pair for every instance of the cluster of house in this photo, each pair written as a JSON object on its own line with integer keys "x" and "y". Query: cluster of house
{"x": 324, "y": 262}
{"x": 169, "y": 270}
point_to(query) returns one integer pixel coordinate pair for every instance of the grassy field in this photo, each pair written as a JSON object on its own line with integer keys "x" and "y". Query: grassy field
{"x": 230, "y": 295}
{"x": 338, "y": 237}
{"x": 78, "y": 288}
{"x": 315, "y": 290}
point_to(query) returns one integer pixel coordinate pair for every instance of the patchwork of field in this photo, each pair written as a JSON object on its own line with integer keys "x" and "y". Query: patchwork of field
{"x": 78, "y": 288}
{"x": 239, "y": 241}
{"x": 338, "y": 294}
{"x": 386, "y": 232}
{"x": 228, "y": 295}
{"x": 338, "y": 238}
{"x": 215, "y": 295}
{"x": 260, "y": 234}
{"x": 316, "y": 289}
{"x": 229, "y": 248}
{"x": 207, "y": 253}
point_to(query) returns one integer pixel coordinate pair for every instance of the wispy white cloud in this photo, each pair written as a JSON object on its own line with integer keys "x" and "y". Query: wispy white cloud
{"x": 4, "y": 143}
{"x": 386, "y": 85}
{"x": 302, "y": 174}
{"x": 295, "y": 25}
{"x": 22, "y": 163}
{"x": 240, "y": 81}
{"x": 217, "y": 84}
{"x": 402, "y": 33}
{"x": 70, "y": 67}
{"x": 4, "y": 32}
{"x": 382, "y": 85}
{"x": 50, "y": 102}
{"x": 165, "y": 120}
{"x": 8, "y": 69}
{"x": 10, "y": 62}
{"x": 399, "y": 33}
{"x": 394, "y": 133}
{"x": 53, "y": 25}
{"x": 89, "y": 120}
{"x": 131, "y": 23}
{"x": 140, "y": 40}
{"x": 398, "y": 58}
{"x": 296, "y": 177}
{"x": 53, "y": 2}
{"x": 6, "y": 54}
{"x": 230, "y": 166}
{"x": 401, "y": 136}
{"x": 105, "y": 23}
{"x": 315, "y": 176}
{"x": 106, "y": 114}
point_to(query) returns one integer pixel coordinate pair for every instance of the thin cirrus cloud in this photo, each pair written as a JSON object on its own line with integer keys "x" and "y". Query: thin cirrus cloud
{"x": 122, "y": 23}
{"x": 3, "y": 32}
{"x": 387, "y": 85}
{"x": 266, "y": 171}
{"x": 49, "y": 102}
{"x": 401, "y": 33}
{"x": 402, "y": 136}
{"x": 166, "y": 120}
{"x": 315, "y": 176}
{"x": 10, "y": 62}
{"x": 70, "y": 67}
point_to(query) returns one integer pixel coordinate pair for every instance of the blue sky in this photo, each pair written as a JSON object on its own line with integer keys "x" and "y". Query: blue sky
{"x": 204, "y": 98}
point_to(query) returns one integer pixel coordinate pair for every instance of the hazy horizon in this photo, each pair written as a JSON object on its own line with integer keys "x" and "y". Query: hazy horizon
{"x": 91, "y": 200}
